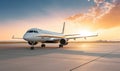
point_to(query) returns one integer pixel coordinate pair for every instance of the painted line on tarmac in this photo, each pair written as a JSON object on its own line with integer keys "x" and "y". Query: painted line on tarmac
{"x": 93, "y": 60}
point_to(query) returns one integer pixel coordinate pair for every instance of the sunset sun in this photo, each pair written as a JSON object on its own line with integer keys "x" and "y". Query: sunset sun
{"x": 85, "y": 32}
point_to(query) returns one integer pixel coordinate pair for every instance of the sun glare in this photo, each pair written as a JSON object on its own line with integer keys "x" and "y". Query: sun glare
{"x": 85, "y": 32}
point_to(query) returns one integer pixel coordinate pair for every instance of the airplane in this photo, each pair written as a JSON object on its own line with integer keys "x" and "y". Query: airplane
{"x": 35, "y": 35}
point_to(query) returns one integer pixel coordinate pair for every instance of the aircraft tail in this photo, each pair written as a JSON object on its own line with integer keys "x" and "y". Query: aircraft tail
{"x": 63, "y": 28}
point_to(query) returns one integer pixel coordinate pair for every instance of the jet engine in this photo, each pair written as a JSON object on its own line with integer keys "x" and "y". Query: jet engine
{"x": 32, "y": 43}
{"x": 64, "y": 41}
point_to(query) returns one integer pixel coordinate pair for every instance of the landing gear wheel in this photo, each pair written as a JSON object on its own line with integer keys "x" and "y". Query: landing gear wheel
{"x": 60, "y": 46}
{"x": 43, "y": 45}
{"x": 32, "y": 48}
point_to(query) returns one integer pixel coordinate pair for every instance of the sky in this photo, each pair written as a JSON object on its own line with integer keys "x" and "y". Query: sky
{"x": 97, "y": 16}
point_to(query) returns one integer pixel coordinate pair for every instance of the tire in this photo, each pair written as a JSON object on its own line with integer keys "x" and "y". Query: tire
{"x": 32, "y": 48}
{"x": 43, "y": 45}
{"x": 60, "y": 46}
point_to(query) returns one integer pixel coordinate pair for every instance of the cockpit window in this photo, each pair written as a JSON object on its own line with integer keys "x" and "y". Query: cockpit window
{"x": 35, "y": 31}
{"x": 32, "y": 31}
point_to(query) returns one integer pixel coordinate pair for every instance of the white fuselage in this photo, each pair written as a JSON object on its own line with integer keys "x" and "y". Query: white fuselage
{"x": 35, "y": 34}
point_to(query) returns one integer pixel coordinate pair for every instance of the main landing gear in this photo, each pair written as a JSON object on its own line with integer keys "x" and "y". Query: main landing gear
{"x": 43, "y": 45}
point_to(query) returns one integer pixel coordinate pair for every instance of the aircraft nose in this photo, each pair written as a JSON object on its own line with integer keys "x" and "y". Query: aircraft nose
{"x": 27, "y": 37}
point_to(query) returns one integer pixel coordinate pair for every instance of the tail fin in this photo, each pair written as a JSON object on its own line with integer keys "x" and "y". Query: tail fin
{"x": 63, "y": 28}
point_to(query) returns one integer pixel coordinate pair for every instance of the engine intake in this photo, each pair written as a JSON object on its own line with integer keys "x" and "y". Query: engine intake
{"x": 63, "y": 41}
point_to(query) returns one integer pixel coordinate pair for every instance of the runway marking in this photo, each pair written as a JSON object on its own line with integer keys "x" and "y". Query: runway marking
{"x": 92, "y": 60}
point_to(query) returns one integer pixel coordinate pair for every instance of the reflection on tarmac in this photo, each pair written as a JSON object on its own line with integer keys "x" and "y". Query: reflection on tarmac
{"x": 73, "y": 57}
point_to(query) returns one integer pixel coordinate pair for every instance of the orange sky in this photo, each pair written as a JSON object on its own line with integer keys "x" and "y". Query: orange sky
{"x": 19, "y": 30}
{"x": 104, "y": 20}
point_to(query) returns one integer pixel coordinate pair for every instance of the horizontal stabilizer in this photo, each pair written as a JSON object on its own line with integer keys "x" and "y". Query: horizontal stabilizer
{"x": 13, "y": 37}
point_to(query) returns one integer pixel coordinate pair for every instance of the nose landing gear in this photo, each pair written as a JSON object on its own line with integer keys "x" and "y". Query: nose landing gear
{"x": 32, "y": 43}
{"x": 60, "y": 46}
{"x": 32, "y": 48}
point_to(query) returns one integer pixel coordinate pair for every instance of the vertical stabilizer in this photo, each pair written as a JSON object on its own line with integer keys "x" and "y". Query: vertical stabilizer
{"x": 63, "y": 28}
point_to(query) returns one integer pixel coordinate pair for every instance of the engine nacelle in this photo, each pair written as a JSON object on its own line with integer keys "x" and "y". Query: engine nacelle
{"x": 32, "y": 43}
{"x": 64, "y": 41}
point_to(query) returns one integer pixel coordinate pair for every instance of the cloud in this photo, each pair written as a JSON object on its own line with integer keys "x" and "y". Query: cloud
{"x": 103, "y": 15}
{"x": 99, "y": 1}
{"x": 88, "y": 0}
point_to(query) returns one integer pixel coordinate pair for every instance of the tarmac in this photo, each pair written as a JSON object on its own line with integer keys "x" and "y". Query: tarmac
{"x": 73, "y": 57}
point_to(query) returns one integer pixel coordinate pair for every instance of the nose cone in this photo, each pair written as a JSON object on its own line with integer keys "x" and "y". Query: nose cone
{"x": 27, "y": 37}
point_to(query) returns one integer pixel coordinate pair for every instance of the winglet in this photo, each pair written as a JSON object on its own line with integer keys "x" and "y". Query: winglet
{"x": 63, "y": 28}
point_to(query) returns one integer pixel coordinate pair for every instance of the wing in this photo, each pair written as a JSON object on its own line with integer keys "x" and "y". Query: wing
{"x": 72, "y": 34}
{"x": 74, "y": 37}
